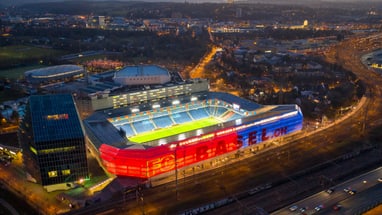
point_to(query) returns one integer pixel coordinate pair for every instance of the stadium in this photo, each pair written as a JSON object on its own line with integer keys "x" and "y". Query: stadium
{"x": 155, "y": 137}
{"x": 53, "y": 73}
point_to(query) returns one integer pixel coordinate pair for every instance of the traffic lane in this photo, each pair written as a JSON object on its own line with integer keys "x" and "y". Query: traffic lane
{"x": 328, "y": 200}
{"x": 357, "y": 203}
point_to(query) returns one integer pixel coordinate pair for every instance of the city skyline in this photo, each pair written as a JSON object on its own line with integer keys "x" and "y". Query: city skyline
{"x": 20, "y": 2}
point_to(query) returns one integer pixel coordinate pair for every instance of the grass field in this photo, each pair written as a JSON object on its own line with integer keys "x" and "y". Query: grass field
{"x": 26, "y": 52}
{"x": 17, "y": 57}
{"x": 17, "y": 73}
{"x": 173, "y": 130}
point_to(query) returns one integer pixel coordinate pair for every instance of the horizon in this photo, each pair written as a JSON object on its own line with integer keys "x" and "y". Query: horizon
{"x": 292, "y": 2}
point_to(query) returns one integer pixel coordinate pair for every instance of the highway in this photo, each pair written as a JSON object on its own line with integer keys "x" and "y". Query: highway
{"x": 366, "y": 184}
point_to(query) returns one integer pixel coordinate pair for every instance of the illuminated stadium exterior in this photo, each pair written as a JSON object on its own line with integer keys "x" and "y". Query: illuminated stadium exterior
{"x": 153, "y": 138}
{"x": 53, "y": 73}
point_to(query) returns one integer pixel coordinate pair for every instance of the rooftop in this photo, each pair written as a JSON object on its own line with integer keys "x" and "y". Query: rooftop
{"x": 54, "y": 70}
{"x": 54, "y": 117}
{"x": 144, "y": 70}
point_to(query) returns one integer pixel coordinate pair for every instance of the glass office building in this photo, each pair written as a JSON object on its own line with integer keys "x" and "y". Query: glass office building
{"x": 53, "y": 142}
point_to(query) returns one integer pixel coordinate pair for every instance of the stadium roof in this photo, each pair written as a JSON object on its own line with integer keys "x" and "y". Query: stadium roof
{"x": 54, "y": 117}
{"x": 52, "y": 71}
{"x": 145, "y": 70}
{"x": 243, "y": 103}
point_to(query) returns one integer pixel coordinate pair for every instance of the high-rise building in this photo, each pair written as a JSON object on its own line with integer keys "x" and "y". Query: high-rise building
{"x": 101, "y": 21}
{"x": 53, "y": 142}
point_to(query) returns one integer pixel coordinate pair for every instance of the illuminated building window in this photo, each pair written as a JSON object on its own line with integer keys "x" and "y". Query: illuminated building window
{"x": 52, "y": 174}
{"x": 66, "y": 172}
{"x": 33, "y": 150}
{"x": 57, "y": 150}
{"x": 57, "y": 116}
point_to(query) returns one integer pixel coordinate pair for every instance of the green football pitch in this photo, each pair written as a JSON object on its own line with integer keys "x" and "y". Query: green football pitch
{"x": 173, "y": 130}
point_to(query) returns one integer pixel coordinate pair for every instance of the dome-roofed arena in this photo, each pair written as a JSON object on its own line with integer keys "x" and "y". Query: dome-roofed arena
{"x": 142, "y": 75}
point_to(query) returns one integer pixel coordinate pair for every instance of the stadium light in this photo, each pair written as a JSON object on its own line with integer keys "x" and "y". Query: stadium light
{"x": 238, "y": 122}
{"x": 176, "y": 102}
{"x": 181, "y": 137}
{"x": 134, "y": 110}
{"x": 236, "y": 106}
{"x": 194, "y": 98}
{"x": 199, "y": 132}
{"x": 162, "y": 142}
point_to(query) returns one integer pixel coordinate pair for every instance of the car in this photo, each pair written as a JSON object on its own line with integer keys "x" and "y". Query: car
{"x": 318, "y": 208}
{"x": 352, "y": 192}
{"x": 346, "y": 190}
{"x": 380, "y": 179}
{"x": 302, "y": 210}
{"x": 329, "y": 191}
{"x": 293, "y": 208}
{"x": 337, "y": 207}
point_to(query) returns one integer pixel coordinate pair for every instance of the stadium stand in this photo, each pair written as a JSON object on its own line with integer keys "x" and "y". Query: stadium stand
{"x": 199, "y": 113}
{"x": 143, "y": 126}
{"x": 163, "y": 121}
{"x": 136, "y": 123}
{"x": 181, "y": 117}
{"x": 128, "y": 130}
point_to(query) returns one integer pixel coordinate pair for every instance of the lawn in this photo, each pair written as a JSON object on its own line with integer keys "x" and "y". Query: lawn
{"x": 16, "y": 57}
{"x": 173, "y": 130}
{"x": 17, "y": 73}
{"x": 27, "y": 52}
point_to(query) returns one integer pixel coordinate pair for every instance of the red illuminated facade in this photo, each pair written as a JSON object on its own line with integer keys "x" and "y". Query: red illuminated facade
{"x": 148, "y": 162}
{"x": 161, "y": 159}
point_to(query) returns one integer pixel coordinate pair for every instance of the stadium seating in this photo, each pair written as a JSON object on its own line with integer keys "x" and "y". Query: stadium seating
{"x": 143, "y": 126}
{"x": 180, "y": 118}
{"x": 176, "y": 115}
{"x": 128, "y": 129}
{"x": 140, "y": 118}
{"x": 199, "y": 113}
{"x": 163, "y": 121}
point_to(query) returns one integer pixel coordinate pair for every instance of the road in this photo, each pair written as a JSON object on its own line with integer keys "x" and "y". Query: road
{"x": 349, "y": 203}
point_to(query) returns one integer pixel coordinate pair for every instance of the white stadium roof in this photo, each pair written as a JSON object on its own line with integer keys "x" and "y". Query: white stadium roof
{"x": 53, "y": 71}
